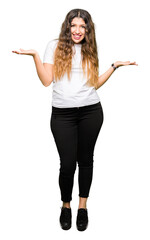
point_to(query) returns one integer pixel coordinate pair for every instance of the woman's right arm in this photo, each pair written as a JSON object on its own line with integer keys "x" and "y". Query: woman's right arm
{"x": 44, "y": 70}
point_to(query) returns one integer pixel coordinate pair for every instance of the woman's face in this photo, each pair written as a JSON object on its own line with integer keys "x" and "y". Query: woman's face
{"x": 78, "y": 29}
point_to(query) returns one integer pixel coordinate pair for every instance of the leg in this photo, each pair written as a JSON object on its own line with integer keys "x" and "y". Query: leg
{"x": 90, "y": 122}
{"x": 66, "y": 204}
{"x": 82, "y": 202}
{"x": 64, "y": 129}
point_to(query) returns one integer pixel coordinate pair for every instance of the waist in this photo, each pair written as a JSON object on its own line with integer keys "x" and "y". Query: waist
{"x": 82, "y": 107}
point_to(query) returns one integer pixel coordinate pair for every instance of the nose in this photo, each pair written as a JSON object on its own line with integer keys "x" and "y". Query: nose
{"x": 77, "y": 30}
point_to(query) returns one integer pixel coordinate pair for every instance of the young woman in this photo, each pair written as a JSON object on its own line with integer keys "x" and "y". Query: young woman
{"x": 71, "y": 63}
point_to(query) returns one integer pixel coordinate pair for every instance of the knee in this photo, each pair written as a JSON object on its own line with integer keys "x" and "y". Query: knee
{"x": 86, "y": 163}
{"x": 67, "y": 170}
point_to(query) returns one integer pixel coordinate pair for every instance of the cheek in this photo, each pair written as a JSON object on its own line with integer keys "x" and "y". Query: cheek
{"x": 83, "y": 31}
{"x": 72, "y": 30}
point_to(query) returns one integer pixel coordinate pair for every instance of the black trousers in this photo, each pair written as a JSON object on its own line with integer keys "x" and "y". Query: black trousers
{"x": 75, "y": 131}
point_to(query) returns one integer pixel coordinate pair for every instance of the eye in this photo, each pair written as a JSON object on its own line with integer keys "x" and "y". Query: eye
{"x": 72, "y": 25}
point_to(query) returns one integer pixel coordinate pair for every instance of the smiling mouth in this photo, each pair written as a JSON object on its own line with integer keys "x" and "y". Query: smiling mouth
{"x": 76, "y": 36}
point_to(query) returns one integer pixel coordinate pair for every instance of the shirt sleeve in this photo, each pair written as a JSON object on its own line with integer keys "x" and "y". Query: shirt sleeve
{"x": 49, "y": 52}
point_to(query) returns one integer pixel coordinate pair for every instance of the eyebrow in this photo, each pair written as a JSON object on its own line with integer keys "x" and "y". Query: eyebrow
{"x": 80, "y": 24}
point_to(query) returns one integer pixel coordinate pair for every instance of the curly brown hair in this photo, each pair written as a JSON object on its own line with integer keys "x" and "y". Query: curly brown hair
{"x": 64, "y": 53}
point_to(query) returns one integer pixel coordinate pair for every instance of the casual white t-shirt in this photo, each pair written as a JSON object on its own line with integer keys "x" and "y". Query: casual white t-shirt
{"x": 73, "y": 93}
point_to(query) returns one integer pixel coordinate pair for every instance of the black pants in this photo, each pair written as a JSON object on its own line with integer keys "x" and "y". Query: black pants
{"x": 75, "y": 131}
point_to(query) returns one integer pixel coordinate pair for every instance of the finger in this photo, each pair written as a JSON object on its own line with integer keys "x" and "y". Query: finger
{"x": 22, "y": 50}
{"x": 133, "y": 63}
{"x": 16, "y": 52}
{"x": 130, "y": 63}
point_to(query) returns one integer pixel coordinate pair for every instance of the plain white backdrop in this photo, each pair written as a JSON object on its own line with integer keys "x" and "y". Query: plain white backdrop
{"x": 29, "y": 163}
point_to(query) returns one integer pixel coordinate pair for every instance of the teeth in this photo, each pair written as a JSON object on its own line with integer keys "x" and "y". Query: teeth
{"x": 77, "y": 36}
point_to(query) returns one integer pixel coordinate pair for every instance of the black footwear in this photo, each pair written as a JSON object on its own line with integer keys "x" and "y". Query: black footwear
{"x": 82, "y": 219}
{"x": 65, "y": 218}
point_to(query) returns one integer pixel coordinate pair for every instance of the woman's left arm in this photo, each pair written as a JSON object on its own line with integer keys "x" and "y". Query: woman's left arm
{"x": 105, "y": 76}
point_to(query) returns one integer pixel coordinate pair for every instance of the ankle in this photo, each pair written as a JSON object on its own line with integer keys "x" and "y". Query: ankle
{"x": 82, "y": 206}
{"x": 82, "y": 203}
{"x": 66, "y": 204}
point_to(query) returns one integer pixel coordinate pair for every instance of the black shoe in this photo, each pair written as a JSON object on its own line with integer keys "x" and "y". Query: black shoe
{"x": 65, "y": 218}
{"x": 82, "y": 219}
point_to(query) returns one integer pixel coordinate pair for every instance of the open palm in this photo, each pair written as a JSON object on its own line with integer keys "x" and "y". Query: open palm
{"x": 120, "y": 63}
{"x": 30, "y": 52}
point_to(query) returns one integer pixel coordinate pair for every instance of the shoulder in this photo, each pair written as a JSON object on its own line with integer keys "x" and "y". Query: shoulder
{"x": 52, "y": 43}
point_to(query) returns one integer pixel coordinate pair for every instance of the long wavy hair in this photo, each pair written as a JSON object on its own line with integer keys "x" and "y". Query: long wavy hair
{"x": 63, "y": 53}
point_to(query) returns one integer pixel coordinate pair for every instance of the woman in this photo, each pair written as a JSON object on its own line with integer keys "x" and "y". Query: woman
{"x": 71, "y": 63}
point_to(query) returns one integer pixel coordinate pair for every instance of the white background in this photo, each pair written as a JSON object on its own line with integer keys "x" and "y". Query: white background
{"x": 29, "y": 163}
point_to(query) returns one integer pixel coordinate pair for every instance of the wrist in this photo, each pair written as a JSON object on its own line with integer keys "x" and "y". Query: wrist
{"x": 114, "y": 65}
{"x": 35, "y": 55}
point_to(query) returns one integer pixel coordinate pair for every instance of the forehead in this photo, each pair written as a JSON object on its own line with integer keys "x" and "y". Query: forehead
{"x": 77, "y": 20}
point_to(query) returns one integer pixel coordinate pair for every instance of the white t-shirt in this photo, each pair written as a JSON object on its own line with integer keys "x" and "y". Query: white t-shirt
{"x": 73, "y": 93}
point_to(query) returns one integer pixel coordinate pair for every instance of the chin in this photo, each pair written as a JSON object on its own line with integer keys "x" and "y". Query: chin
{"x": 77, "y": 41}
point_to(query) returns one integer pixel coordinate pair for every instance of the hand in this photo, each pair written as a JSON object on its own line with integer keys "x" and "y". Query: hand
{"x": 119, "y": 63}
{"x": 30, "y": 52}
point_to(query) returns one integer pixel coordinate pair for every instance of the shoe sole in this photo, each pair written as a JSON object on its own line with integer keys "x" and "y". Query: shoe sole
{"x": 66, "y": 228}
{"x": 82, "y": 229}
